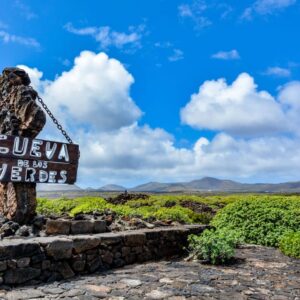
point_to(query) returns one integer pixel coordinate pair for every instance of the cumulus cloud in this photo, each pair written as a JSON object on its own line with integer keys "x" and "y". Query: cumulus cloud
{"x": 237, "y": 108}
{"x": 227, "y": 55}
{"x": 290, "y": 94}
{"x": 266, "y": 158}
{"x": 125, "y": 152}
{"x": 289, "y": 97}
{"x": 145, "y": 154}
{"x": 98, "y": 93}
{"x": 106, "y": 37}
{"x": 266, "y": 7}
{"x": 7, "y": 37}
{"x": 135, "y": 147}
{"x": 278, "y": 72}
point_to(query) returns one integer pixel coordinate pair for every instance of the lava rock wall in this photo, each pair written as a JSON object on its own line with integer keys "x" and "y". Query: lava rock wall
{"x": 44, "y": 259}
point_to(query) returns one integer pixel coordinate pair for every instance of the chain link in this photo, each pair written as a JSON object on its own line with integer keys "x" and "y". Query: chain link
{"x": 58, "y": 125}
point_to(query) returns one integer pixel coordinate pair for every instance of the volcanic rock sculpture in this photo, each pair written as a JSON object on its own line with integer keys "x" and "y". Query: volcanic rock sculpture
{"x": 19, "y": 115}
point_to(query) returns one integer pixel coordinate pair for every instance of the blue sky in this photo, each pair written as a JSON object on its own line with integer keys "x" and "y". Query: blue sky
{"x": 166, "y": 51}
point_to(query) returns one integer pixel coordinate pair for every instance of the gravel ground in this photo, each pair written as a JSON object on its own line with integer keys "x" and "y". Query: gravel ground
{"x": 258, "y": 273}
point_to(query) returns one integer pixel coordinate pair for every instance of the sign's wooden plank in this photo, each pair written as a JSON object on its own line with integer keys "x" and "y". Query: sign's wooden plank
{"x": 27, "y": 148}
{"x": 33, "y": 160}
{"x": 12, "y": 170}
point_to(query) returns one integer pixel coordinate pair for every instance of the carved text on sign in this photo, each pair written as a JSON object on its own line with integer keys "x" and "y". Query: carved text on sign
{"x": 24, "y": 159}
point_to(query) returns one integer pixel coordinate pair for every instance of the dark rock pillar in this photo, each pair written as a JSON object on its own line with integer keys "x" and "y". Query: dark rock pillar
{"x": 19, "y": 115}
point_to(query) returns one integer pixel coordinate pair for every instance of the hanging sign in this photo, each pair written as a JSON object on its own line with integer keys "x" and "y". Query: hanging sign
{"x": 25, "y": 159}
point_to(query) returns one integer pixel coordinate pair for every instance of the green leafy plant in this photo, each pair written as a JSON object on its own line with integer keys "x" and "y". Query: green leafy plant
{"x": 290, "y": 244}
{"x": 56, "y": 206}
{"x": 88, "y": 206}
{"x": 261, "y": 220}
{"x": 215, "y": 247}
{"x": 143, "y": 208}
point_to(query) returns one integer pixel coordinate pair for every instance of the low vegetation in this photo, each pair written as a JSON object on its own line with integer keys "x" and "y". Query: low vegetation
{"x": 164, "y": 208}
{"x": 257, "y": 219}
{"x": 215, "y": 247}
{"x": 290, "y": 244}
{"x": 261, "y": 220}
{"x": 269, "y": 220}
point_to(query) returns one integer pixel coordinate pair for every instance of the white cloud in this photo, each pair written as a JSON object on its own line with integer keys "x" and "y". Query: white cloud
{"x": 277, "y": 71}
{"x": 106, "y": 37}
{"x": 290, "y": 94}
{"x": 128, "y": 153}
{"x": 7, "y": 37}
{"x": 237, "y": 108}
{"x": 201, "y": 12}
{"x": 195, "y": 12}
{"x": 289, "y": 97}
{"x": 227, "y": 55}
{"x": 97, "y": 94}
{"x": 145, "y": 154}
{"x": 266, "y": 7}
{"x": 265, "y": 158}
{"x": 177, "y": 55}
{"x": 134, "y": 148}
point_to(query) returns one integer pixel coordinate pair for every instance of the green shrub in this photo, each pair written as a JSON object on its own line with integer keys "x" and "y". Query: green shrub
{"x": 89, "y": 205}
{"x": 261, "y": 220}
{"x": 175, "y": 213}
{"x": 290, "y": 244}
{"x": 60, "y": 206}
{"x": 56, "y": 206}
{"x": 215, "y": 247}
{"x": 201, "y": 218}
{"x": 143, "y": 208}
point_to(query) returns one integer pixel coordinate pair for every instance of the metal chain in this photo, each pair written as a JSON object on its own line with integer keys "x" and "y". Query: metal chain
{"x": 60, "y": 128}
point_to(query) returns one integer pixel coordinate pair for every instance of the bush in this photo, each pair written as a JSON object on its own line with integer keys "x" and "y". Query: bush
{"x": 215, "y": 247}
{"x": 89, "y": 205}
{"x": 261, "y": 220}
{"x": 290, "y": 244}
{"x": 175, "y": 213}
{"x": 57, "y": 206}
{"x": 143, "y": 208}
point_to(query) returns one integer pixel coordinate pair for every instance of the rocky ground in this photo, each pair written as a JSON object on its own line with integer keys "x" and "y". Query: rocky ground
{"x": 258, "y": 273}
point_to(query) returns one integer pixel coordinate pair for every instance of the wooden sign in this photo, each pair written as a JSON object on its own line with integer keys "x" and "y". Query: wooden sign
{"x": 24, "y": 159}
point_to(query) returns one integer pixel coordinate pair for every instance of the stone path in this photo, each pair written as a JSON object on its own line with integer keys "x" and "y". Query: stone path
{"x": 260, "y": 273}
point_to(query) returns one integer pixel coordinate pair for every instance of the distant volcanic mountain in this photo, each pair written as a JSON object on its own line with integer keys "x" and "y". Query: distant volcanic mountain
{"x": 45, "y": 187}
{"x": 210, "y": 184}
{"x": 206, "y": 184}
{"x": 112, "y": 188}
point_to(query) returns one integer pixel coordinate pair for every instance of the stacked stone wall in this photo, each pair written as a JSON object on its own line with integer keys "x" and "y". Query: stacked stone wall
{"x": 46, "y": 259}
